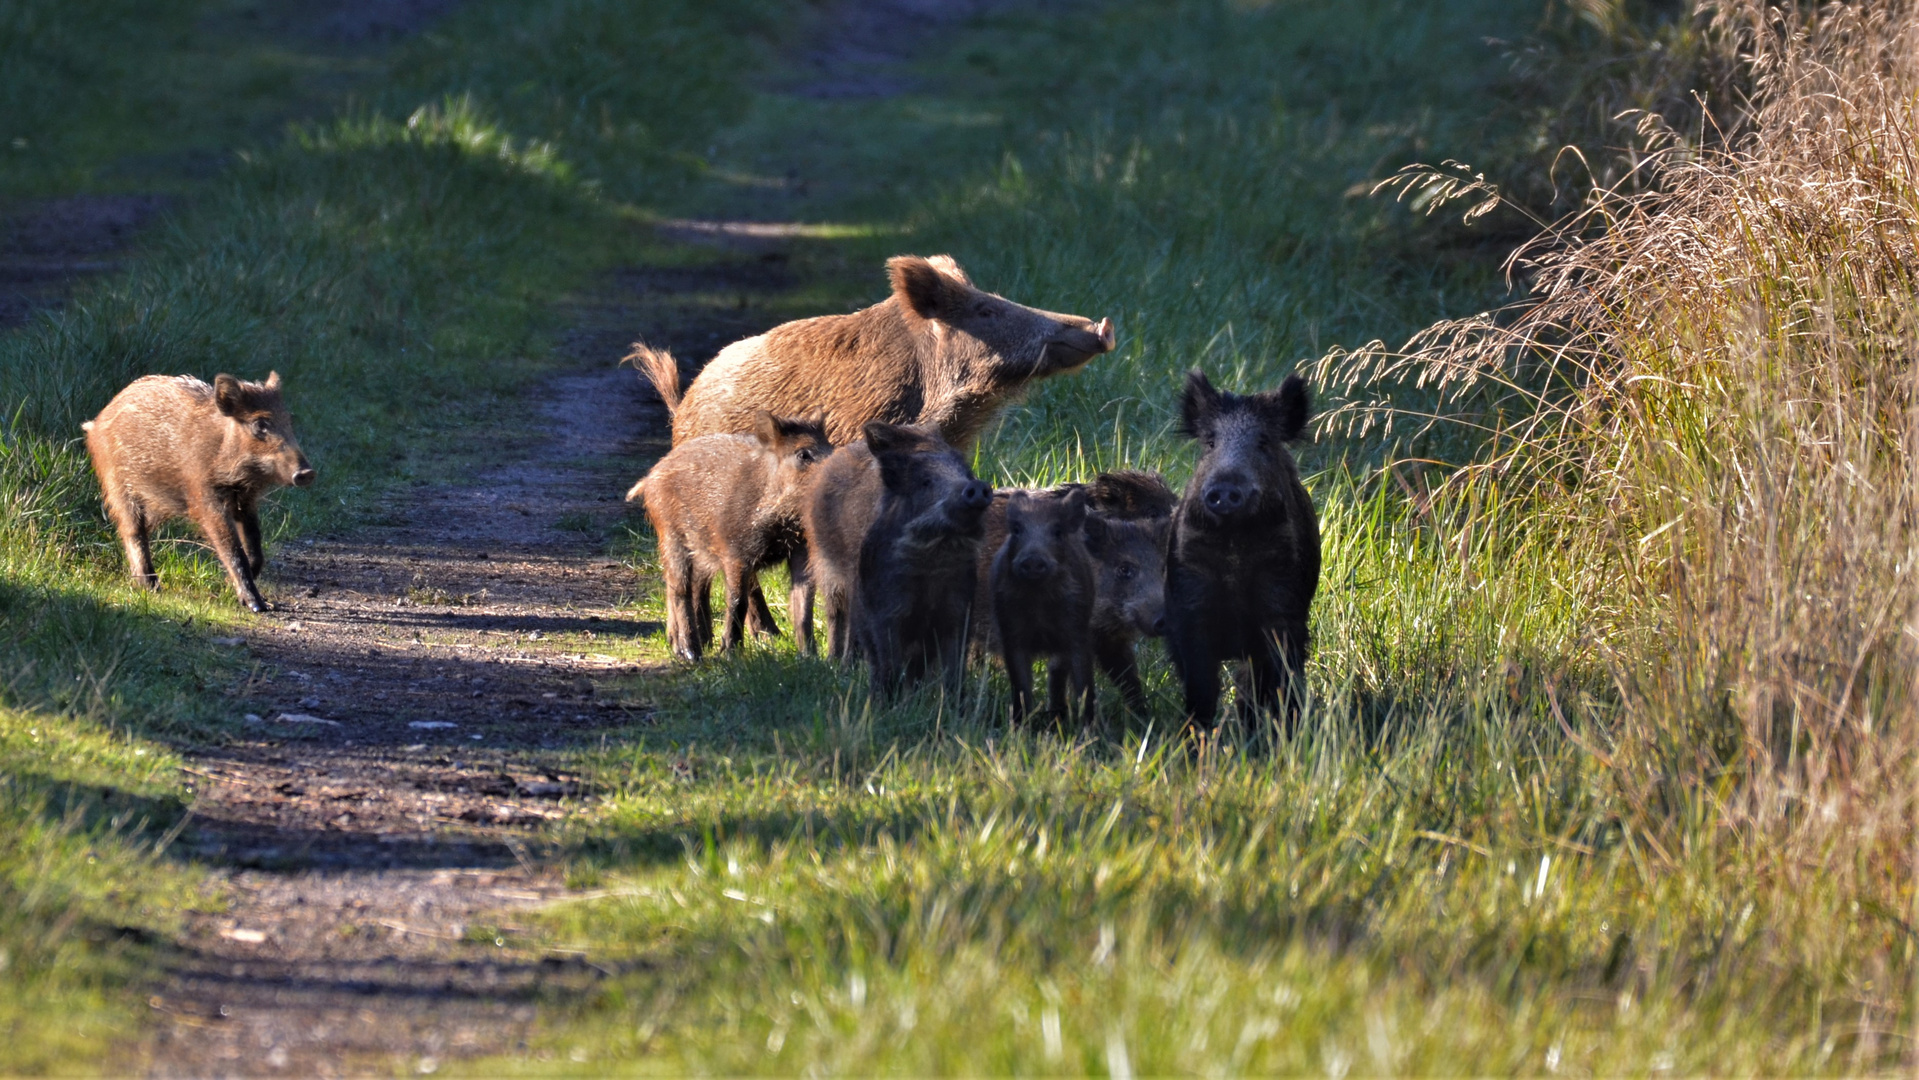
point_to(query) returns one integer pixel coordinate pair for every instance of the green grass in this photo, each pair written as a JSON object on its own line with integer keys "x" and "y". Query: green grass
{"x": 1444, "y": 873}
{"x": 401, "y": 262}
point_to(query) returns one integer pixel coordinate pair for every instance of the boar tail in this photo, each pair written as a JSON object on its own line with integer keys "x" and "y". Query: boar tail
{"x": 660, "y": 369}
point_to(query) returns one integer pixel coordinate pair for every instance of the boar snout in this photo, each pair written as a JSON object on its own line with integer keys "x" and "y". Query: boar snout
{"x": 1077, "y": 341}
{"x": 303, "y": 476}
{"x": 1033, "y": 566}
{"x": 1230, "y": 497}
{"x": 975, "y": 495}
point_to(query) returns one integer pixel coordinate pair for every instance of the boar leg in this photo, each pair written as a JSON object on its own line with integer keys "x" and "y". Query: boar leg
{"x": 1070, "y": 682}
{"x": 759, "y": 617}
{"x": 1019, "y": 672}
{"x": 677, "y": 569}
{"x": 247, "y": 513}
{"x": 1198, "y": 667}
{"x": 703, "y": 609}
{"x": 740, "y": 588}
{"x": 799, "y": 603}
{"x": 838, "y": 628}
{"x": 130, "y": 518}
{"x": 950, "y": 654}
{"x": 1116, "y": 659}
{"x": 882, "y": 654}
{"x": 212, "y": 517}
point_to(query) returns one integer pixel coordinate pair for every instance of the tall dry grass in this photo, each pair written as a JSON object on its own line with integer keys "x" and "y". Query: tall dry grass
{"x": 1713, "y": 372}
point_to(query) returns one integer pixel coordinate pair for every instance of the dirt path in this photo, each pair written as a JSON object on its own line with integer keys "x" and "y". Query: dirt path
{"x": 419, "y": 690}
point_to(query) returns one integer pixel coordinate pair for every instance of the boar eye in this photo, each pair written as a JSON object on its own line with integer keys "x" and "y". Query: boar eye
{"x": 1015, "y": 528}
{"x": 1127, "y": 571}
{"x": 260, "y": 429}
{"x": 806, "y": 457}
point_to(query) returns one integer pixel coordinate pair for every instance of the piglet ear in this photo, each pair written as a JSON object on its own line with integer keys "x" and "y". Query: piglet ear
{"x": 228, "y": 395}
{"x": 1093, "y": 530}
{"x": 1288, "y": 408}
{"x": 1075, "y": 503}
{"x": 920, "y": 287}
{"x": 881, "y": 437}
{"x": 1198, "y": 406}
{"x": 766, "y": 427}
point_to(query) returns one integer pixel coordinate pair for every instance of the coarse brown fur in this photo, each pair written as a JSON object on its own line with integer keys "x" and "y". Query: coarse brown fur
{"x": 729, "y": 506}
{"x": 1243, "y": 563}
{"x": 1043, "y": 582}
{"x": 937, "y": 351}
{"x": 173, "y": 446}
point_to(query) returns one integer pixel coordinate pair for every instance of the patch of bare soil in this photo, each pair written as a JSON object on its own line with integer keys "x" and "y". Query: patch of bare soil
{"x": 389, "y": 807}
{"x": 46, "y": 247}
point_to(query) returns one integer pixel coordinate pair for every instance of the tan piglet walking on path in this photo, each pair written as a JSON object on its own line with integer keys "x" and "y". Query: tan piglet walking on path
{"x": 172, "y": 446}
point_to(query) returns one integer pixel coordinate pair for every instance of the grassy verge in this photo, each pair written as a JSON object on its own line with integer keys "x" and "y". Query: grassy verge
{"x": 401, "y": 263}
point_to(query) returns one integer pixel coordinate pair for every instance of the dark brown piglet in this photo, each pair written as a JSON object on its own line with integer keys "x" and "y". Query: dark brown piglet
{"x": 1129, "y": 515}
{"x": 1243, "y": 562}
{"x": 1129, "y": 596}
{"x": 1043, "y": 583}
{"x": 912, "y": 593}
{"x": 937, "y": 351}
{"x": 173, "y": 446}
{"x": 729, "y": 506}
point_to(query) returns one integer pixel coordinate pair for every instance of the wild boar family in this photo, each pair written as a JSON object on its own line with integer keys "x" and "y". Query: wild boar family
{"x": 837, "y": 445}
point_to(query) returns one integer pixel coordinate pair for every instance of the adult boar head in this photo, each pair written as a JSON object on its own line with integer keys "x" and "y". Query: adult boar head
{"x": 988, "y": 347}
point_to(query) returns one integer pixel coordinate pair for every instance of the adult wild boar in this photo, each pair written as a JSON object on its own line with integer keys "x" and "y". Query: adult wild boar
{"x": 937, "y": 351}
{"x": 1243, "y": 563}
{"x": 729, "y": 506}
{"x": 173, "y": 446}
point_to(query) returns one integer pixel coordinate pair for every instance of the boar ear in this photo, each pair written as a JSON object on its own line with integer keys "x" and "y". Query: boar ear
{"x": 1288, "y": 408}
{"x": 920, "y": 286}
{"x": 1198, "y": 406}
{"x": 1093, "y": 530}
{"x": 945, "y": 264}
{"x": 766, "y": 427}
{"x": 229, "y": 395}
{"x": 881, "y": 437}
{"x": 273, "y": 380}
{"x": 1075, "y": 503}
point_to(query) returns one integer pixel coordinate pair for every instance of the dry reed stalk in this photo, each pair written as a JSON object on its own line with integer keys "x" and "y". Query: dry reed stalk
{"x": 1714, "y": 368}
